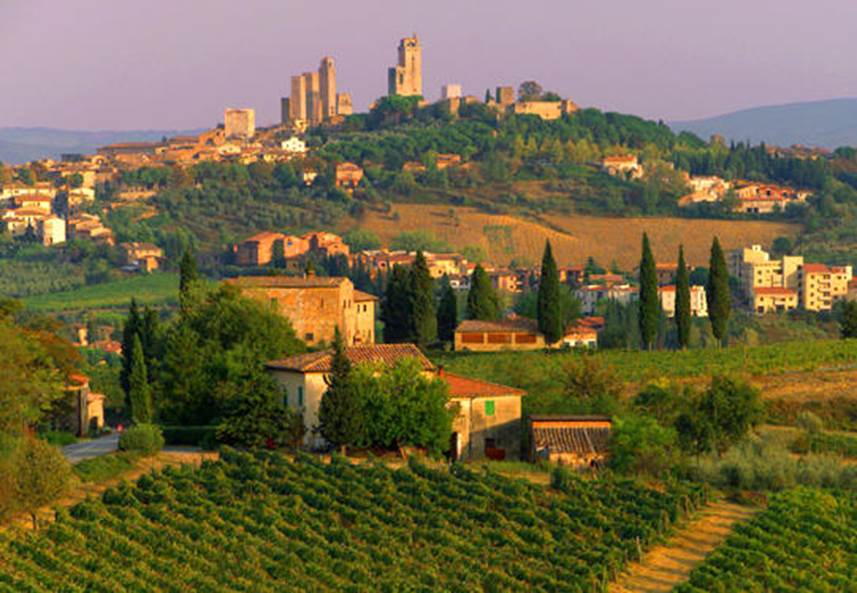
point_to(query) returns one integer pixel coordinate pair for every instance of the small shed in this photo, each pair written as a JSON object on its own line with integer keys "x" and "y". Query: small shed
{"x": 577, "y": 441}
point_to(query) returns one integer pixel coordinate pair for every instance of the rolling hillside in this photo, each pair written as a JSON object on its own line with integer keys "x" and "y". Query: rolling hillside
{"x": 829, "y": 124}
{"x": 574, "y": 237}
{"x": 19, "y": 145}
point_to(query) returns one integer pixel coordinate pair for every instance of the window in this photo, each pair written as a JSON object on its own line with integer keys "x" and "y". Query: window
{"x": 472, "y": 338}
{"x": 300, "y": 396}
{"x": 309, "y": 337}
{"x": 285, "y": 397}
{"x": 489, "y": 407}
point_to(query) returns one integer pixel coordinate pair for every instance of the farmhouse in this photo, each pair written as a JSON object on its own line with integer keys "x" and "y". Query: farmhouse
{"x": 86, "y": 409}
{"x": 315, "y": 306}
{"x": 578, "y": 441}
{"x": 517, "y": 334}
{"x": 488, "y": 419}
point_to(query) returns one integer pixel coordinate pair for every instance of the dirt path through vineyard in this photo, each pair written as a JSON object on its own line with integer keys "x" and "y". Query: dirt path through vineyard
{"x": 665, "y": 566}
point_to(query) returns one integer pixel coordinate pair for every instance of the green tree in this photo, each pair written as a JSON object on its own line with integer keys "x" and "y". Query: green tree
{"x": 188, "y": 274}
{"x": 482, "y": 301}
{"x": 139, "y": 391}
{"x": 447, "y": 312}
{"x": 639, "y": 445}
{"x": 548, "y": 304}
{"x": 340, "y": 415}
{"x": 650, "y": 304}
{"x": 278, "y": 254}
{"x": 423, "y": 315}
{"x": 258, "y": 417}
{"x": 130, "y": 331}
{"x": 848, "y": 323}
{"x": 682, "y": 302}
{"x": 42, "y": 475}
{"x": 717, "y": 292}
{"x": 530, "y": 90}
{"x": 396, "y": 306}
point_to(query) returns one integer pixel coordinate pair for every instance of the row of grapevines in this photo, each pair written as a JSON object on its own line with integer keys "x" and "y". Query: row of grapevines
{"x": 265, "y": 523}
{"x": 806, "y": 540}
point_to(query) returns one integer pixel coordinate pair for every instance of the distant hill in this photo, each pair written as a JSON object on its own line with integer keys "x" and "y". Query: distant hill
{"x": 828, "y": 124}
{"x": 19, "y": 145}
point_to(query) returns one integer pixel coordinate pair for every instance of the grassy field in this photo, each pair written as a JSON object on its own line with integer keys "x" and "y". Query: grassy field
{"x": 148, "y": 289}
{"x": 574, "y": 237}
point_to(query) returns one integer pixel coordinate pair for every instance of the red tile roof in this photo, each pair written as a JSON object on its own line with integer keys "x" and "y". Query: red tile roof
{"x": 320, "y": 362}
{"x": 816, "y": 269}
{"x": 285, "y": 281}
{"x": 466, "y": 387}
{"x": 360, "y": 296}
{"x": 774, "y": 291}
{"x": 519, "y": 325}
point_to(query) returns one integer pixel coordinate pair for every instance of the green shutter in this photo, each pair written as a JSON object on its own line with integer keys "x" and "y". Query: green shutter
{"x": 489, "y": 407}
{"x": 300, "y": 397}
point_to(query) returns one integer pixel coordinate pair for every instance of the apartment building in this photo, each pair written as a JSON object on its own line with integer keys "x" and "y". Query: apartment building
{"x": 698, "y": 300}
{"x": 820, "y": 286}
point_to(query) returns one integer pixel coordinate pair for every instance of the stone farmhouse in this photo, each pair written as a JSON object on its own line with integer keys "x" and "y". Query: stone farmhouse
{"x": 580, "y": 442}
{"x": 86, "y": 407}
{"x": 488, "y": 420}
{"x": 316, "y": 306}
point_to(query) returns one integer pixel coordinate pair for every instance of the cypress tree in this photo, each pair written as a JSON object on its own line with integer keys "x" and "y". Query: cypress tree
{"x": 487, "y": 95}
{"x": 650, "y": 305}
{"x": 482, "y": 300}
{"x": 396, "y": 306}
{"x": 447, "y": 312}
{"x": 187, "y": 271}
{"x": 130, "y": 331}
{"x": 340, "y": 412}
{"x": 278, "y": 254}
{"x": 682, "y": 301}
{"x": 421, "y": 297}
{"x": 139, "y": 392}
{"x": 150, "y": 336}
{"x": 548, "y": 307}
{"x": 717, "y": 292}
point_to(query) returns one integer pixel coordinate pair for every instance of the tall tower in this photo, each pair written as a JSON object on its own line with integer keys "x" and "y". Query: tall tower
{"x": 327, "y": 87}
{"x": 406, "y": 78}
{"x": 297, "y": 100}
{"x": 313, "y": 97}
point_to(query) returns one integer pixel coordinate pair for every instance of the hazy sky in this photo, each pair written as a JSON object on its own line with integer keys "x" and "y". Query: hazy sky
{"x": 132, "y": 64}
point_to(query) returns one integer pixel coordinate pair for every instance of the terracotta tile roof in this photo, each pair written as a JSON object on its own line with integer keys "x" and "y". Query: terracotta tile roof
{"x": 593, "y": 321}
{"x": 320, "y": 362}
{"x": 816, "y": 269}
{"x": 570, "y": 434}
{"x": 285, "y": 281}
{"x": 774, "y": 291}
{"x": 360, "y": 296}
{"x": 507, "y": 325}
{"x": 466, "y": 387}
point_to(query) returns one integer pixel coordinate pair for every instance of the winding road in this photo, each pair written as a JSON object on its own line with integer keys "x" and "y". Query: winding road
{"x": 88, "y": 449}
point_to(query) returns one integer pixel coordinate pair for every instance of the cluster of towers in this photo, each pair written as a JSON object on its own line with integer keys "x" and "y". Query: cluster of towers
{"x": 313, "y": 99}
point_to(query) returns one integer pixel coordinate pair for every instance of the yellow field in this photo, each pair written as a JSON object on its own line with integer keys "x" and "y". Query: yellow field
{"x": 573, "y": 237}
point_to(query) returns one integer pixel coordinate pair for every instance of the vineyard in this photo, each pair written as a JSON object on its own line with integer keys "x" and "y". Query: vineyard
{"x": 265, "y": 523}
{"x": 529, "y": 369}
{"x": 804, "y": 541}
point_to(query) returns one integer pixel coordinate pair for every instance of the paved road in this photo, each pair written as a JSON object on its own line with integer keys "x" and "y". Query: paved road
{"x": 89, "y": 449}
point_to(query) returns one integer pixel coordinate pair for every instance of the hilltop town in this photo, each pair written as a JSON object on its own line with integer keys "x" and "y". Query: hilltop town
{"x": 542, "y": 345}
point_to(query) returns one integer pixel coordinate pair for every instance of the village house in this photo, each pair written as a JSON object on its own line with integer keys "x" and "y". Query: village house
{"x": 86, "y": 408}
{"x": 754, "y": 268}
{"x": 447, "y": 160}
{"x": 13, "y": 190}
{"x": 142, "y": 256}
{"x": 258, "y": 250}
{"x": 572, "y": 275}
{"x": 315, "y": 306}
{"x": 580, "y": 442}
{"x": 766, "y": 299}
{"x": 698, "y": 301}
{"x": 326, "y": 244}
{"x": 348, "y": 175}
{"x": 704, "y": 188}
{"x": 51, "y": 230}
{"x": 294, "y": 146}
{"x": 592, "y": 294}
{"x": 517, "y": 334}
{"x": 625, "y": 166}
{"x": 510, "y": 280}
{"x": 89, "y": 227}
{"x": 34, "y": 202}
{"x": 546, "y": 110}
{"x": 488, "y": 419}
{"x": 762, "y": 198}
{"x": 18, "y": 221}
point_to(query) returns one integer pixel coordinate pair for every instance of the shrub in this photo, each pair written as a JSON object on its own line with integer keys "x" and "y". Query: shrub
{"x": 194, "y": 436}
{"x": 809, "y": 422}
{"x": 146, "y": 439}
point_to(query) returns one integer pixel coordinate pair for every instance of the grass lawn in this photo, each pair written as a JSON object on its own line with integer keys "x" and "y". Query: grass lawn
{"x": 103, "y": 468}
{"x": 148, "y": 289}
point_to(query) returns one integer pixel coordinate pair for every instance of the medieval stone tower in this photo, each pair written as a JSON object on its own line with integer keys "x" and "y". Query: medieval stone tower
{"x": 406, "y": 78}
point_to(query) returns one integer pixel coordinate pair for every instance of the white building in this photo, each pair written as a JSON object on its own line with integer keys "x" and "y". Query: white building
{"x": 51, "y": 230}
{"x": 294, "y": 145}
{"x": 593, "y": 294}
{"x": 698, "y": 301}
{"x": 450, "y": 91}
